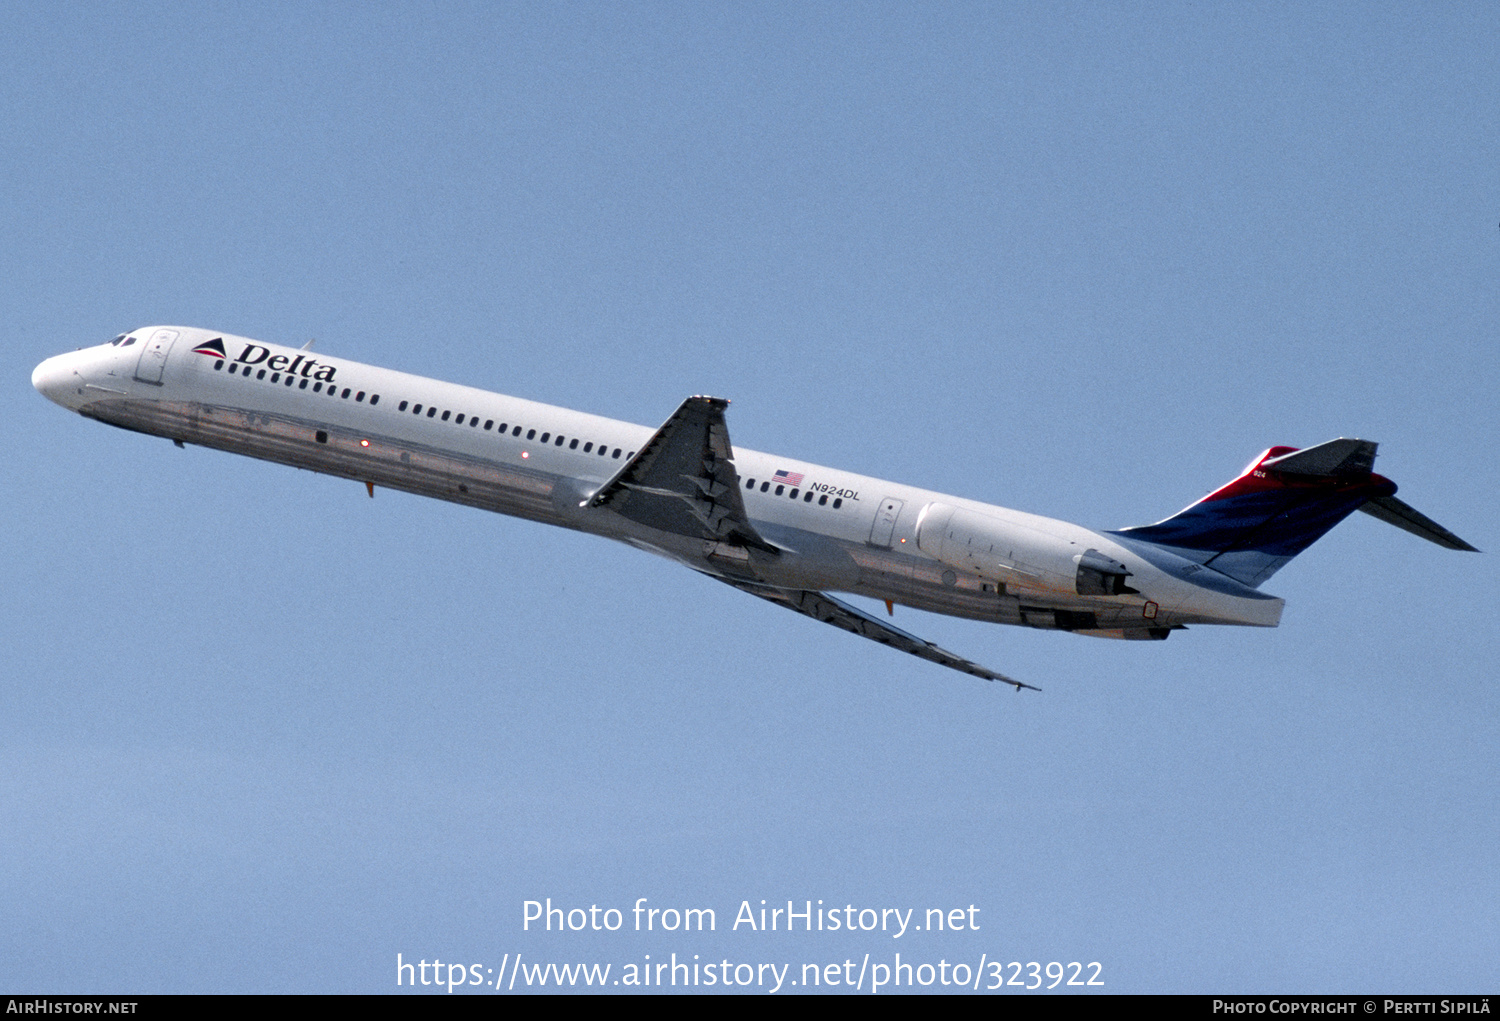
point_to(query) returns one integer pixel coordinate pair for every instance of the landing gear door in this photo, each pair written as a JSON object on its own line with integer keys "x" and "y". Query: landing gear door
{"x": 885, "y": 522}
{"x": 154, "y": 356}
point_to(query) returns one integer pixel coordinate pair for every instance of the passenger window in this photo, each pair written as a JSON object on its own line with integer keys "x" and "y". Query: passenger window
{"x": 346, "y": 393}
{"x": 588, "y": 448}
{"x": 473, "y": 421}
{"x": 401, "y": 406}
{"x": 838, "y": 501}
{"x": 764, "y": 486}
{"x": 302, "y": 385}
{"x": 261, "y": 374}
{"x": 780, "y": 490}
{"x": 530, "y": 433}
{"x": 459, "y": 420}
{"x": 446, "y": 414}
{"x": 794, "y": 494}
{"x": 359, "y": 397}
{"x": 374, "y": 399}
{"x": 276, "y": 377}
{"x": 749, "y": 483}
{"x": 432, "y": 412}
{"x": 489, "y": 424}
{"x": 317, "y": 388}
{"x": 573, "y": 445}
{"x": 416, "y": 409}
{"x": 516, "y": 431}
{"x": 546, "y": 437}
{"x": 617, "y": 452}
{"x": 559, "y": 441}
{"x": 823, "y": 500}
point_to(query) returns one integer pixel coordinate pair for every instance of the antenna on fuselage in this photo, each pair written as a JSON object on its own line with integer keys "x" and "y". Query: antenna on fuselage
{"x": 309, "y": 344}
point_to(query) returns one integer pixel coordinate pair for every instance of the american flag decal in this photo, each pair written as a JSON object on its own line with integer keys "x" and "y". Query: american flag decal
{"x": 790, "y": 478}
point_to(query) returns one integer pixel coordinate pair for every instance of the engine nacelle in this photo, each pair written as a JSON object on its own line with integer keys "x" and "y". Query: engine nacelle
{"x": 1016, "y": 553}
{"x": 1099, "y": 575}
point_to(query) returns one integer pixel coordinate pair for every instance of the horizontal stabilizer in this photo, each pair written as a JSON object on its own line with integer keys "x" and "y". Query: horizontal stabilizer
{"x": 1401, "y": 514}
{"x": 1343, "y": 458}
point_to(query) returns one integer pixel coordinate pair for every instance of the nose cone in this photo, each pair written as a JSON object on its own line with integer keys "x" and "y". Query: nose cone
{"x": 55, "y": 380}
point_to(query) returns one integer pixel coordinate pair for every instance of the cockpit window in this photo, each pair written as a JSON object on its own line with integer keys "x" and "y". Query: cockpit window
{"x": 117, "y": 340}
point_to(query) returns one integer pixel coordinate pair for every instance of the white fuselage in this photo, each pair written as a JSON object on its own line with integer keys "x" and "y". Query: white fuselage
{"x": 836, "y": 531}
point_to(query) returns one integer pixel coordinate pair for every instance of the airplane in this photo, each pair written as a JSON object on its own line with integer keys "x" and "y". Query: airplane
{"x": 785, "y": 530}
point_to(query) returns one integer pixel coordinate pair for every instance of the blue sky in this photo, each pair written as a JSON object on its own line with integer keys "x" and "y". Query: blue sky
{"x": 261, "y": 733}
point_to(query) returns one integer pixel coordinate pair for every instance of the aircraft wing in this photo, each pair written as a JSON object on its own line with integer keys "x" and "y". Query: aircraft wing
{"x": 683, "y": 480}
{"x": 841, "y": 615}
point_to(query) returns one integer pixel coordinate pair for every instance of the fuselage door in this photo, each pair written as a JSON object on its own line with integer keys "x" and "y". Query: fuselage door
{"x": 885, "y": 521}
{"x": 154, "y": 356}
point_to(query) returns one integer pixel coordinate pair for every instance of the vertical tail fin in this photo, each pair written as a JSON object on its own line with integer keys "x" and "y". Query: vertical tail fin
{"x": 1284, "y": 501}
